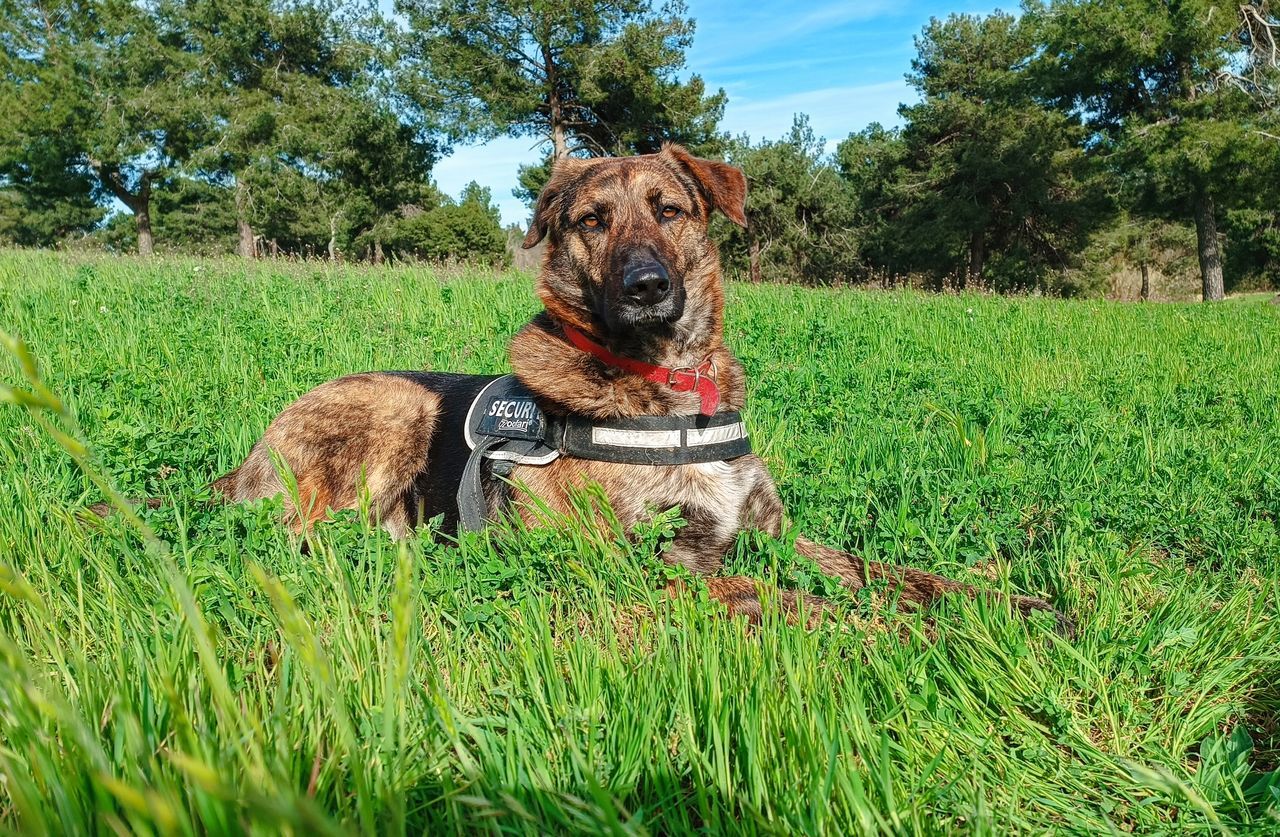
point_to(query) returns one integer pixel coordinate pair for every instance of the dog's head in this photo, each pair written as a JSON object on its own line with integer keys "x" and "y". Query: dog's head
{"x": 628, "y": 252}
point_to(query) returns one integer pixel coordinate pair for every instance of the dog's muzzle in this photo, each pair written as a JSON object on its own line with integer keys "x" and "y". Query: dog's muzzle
{"x": 646, "y": 284}
{"x": 647, "y": 294}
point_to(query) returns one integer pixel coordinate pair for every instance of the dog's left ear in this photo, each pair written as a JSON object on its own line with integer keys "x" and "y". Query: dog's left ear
{"x": 541, "y": 220}
{"x": 544, "y": 211}
{"x": 724, "y": 186}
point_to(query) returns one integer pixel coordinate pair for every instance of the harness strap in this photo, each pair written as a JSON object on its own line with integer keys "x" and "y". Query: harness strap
{"x": 472, "y": 505}
{"x": 653, "y": 440}
{"x": 505, "y": 426}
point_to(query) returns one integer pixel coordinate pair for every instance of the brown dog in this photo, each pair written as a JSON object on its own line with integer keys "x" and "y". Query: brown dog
{"x": 632, "y": 333}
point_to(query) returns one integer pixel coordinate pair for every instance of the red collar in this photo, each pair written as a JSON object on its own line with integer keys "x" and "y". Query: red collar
{"x": 700, "y": 379}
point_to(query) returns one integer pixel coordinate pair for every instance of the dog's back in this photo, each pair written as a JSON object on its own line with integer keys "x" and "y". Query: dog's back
{"x": 396, "y": 435}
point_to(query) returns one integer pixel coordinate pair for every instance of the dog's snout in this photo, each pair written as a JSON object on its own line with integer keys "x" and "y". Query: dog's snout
{"x": 647, "y": 284}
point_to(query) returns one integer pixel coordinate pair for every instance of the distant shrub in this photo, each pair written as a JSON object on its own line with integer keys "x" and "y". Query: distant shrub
{"x": 469, "y": 229}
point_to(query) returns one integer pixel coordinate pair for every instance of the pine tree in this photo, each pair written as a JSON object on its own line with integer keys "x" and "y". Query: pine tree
{"x": 114, "y": 81}
{"x": 585, "y": 77}
{"x": 1174, "y": 91}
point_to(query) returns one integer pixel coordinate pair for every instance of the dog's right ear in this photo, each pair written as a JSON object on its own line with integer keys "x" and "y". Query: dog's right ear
{"x": 544, "y": 212}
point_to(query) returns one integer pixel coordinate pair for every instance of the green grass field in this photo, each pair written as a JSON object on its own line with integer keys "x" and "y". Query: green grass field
{"x": 1122, "y": 461}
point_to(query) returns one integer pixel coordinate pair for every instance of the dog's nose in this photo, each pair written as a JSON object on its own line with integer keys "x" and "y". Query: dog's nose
{"x": 647, "y": 284}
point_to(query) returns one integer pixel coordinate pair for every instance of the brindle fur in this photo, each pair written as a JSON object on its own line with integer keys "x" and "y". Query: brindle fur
{"x": 375, "y": 429}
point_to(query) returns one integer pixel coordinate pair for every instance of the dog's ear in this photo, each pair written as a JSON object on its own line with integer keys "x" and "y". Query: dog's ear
{"x": 724, "y": 186}
{"x": 544, "y": 212}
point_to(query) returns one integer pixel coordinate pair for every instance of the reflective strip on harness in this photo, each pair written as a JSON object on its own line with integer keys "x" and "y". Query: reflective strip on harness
{"x": 653, "y": 440}
{"x": 715, "y": 435}
{"x": 694, "y": 436}
{"x": 635, "y": 438}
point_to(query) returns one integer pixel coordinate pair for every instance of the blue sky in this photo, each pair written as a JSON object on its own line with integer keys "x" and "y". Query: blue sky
{"x": 842, "y": 63}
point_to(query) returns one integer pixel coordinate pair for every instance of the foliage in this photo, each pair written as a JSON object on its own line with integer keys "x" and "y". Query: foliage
{"x": 586, "y": 77}
{"x": 112, "y": 82}
{"x": 1254, "y": 233}
{"x": 1115, "y": 259}
{"x": 1039, "y": 147}
{"x": 541, "y": 681}
{"x": 297, "y": 98}
{"x": 471, "y": 228}
{"x": 530, "y": 179}
{"x": 871, "y": 162}
{"x": 238, "y": 94}
{"x": 43, "y": 198}
{"x": 989, "y": 175}
{"x": 799, "y": 213}
{"x": 1160, "y": 84}
{"x": 189, "y": 216}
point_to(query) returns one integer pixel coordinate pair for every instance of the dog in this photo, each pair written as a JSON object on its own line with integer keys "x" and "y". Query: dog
{"x": 630, "y": 342}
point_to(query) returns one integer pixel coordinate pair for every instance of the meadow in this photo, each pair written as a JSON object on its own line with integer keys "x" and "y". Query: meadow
{"x": 194, "y": 670}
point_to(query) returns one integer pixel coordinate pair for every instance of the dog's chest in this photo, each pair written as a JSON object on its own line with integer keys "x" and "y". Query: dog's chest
{"x": 713, "y": 485}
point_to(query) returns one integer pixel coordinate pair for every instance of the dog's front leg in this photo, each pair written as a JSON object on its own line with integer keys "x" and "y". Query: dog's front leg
{"x": 745, "y": 596}
{"x": 716, "y": 502}
{"x": 915, "y": 586}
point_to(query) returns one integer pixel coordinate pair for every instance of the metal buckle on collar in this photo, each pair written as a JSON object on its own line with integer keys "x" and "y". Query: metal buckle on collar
{"x": 697, "y": 373}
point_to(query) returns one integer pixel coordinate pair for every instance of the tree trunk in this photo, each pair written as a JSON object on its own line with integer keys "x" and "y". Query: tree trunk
{"x": 560, "y": 146}
{"x": 333, "y": 238}
{"x": 142, "y": 216}
{"x": 139, "y": 204}
{"x": 246, "y": 248}
{"x": 555, "y": 107}
{"x": 1146, "y": 282}
{"x": 560, "y": 142}
{"x": 756, "y": 274}
{"x": 377, "y": 251}
{"x": 977, "y": 258}
{"x": 1207, "y": 247}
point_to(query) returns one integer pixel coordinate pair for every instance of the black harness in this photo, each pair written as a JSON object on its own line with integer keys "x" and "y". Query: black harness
{"x": 505, "y": 426}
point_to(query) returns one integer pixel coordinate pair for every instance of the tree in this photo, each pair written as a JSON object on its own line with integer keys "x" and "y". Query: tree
{"x": 43, "y": 197}
{"x": 799, "y": 212}
{"x": 113, "y": 81}
{"x": 871, "y": 163}
{"x": 531, "y": 178}
{"x": 988, "y": 172}
{"x": 470, "y": 228}
{"x": 1172, "y": 90}
{"x": 188, "y": 215}
{"x": 584, "y": 76}
{"x": 298, "y": 86}
{"x": 1142, "y": 243}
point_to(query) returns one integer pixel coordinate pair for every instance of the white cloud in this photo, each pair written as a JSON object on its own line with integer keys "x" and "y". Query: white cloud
{"x": 730, "y": 34}
{"x": 840, "y": 13}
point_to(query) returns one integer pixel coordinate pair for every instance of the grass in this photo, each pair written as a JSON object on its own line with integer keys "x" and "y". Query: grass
{"x": 194, "y": 671}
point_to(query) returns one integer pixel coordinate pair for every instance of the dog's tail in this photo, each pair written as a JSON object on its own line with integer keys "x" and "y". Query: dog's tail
{"x": 223, "y": 488}
{"x": 105, "y": 509}
{"x": 915, "y": 586}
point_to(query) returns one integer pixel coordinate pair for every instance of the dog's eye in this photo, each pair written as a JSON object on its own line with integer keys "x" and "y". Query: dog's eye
{"x": 669, "y": 212}
{"x": 591, "y": 222}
